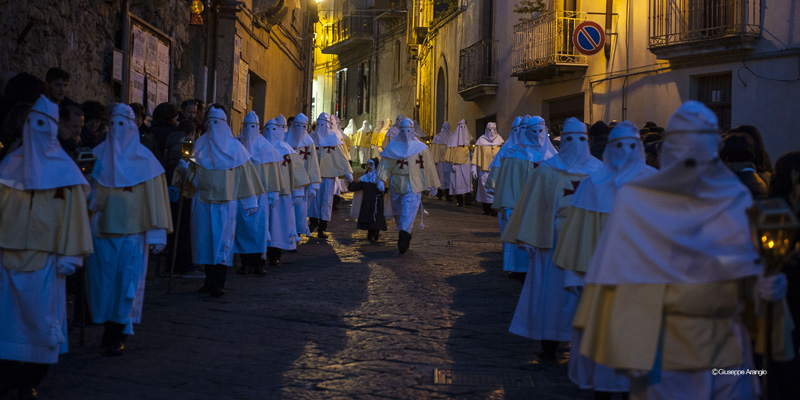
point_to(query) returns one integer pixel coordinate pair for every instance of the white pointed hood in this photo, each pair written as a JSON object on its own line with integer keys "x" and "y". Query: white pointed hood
{"x": 394, "y": 130}
{"x": 573, "y": 156}
{"x": 217, "y": 148}
{"x": 490, "y": 136}
{"x": 325, "y": 133}
{"x": 461, "y": 136}
{"x": 418, "y": 130}
{"x": 687, "y": 222}
{"x": 274, "y": 135}
{"x": 623, "y": 160}
{"x": 443, "y": 135}
{"x": 122, "y": 161}
{"x": 40, "y": 162}
{"x": 405, "y": 144}
{"x": 513, "y": 138}
{"x": 533, "y": 144}
{"x": 260, "y": 149}
{"x": 350, "y": 129}
{"x": 298, "y": 135}
{"x": 364, "y": 127}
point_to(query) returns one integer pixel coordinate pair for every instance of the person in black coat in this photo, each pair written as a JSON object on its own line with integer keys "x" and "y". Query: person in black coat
{"x": 370, "y": 207}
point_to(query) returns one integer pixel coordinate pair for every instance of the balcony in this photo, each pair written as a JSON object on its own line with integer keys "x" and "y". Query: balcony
{"x": 683, "y": 30}
{"x": 348, "y": 33}
{"x": 543, "y": 47}
{"x": 477, "y": 70}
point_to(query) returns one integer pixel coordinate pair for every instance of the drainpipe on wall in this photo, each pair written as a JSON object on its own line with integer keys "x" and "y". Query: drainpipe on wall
{"x": 609, "y": 10}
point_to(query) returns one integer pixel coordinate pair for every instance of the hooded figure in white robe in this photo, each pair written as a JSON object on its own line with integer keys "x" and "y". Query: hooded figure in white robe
{"x": 532, "y": 147}
{"x": 361, "y": 142}
{"x": 333, "y": 164}
{"x": 378, "y": 136}
{"x": 252, "y": 231}
{"x": 44, "y": 236}
{"x": 341, "y": 184}
{"x": 392, "y": 131}
{"x": 439, "y": 150}
{"x": 545, "y": 308}
{"x": 131, "y": 215}
{"x": 349, "y": 132}
{"x": 458, "y": 156}
{"x": 669, "y": 311}
{"x": 302, "y": 143}
{"x": 292, "y": 183}
{"x": 486, "y": 148}
{"x": 224, "y": 182}
{"x": 623, "y": 160}
{"x": 407, "y": 164}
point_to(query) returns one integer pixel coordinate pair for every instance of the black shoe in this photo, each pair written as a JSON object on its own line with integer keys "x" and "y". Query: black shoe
{"x": 274, "y": 262}
{"x": 312, "y": 224}
{"x": 244, "y": 270}
{"x": 403, "y": 241}
{"x": 259, "y": 271}
{"x": 216, "y": 293}
{"x": 28, "y": 393}
{"x": 115, "y": 350}
{"x": 204, "y": 289}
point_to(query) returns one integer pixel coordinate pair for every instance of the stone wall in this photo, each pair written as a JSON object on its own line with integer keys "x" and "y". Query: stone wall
{"x": 80, "y": 36}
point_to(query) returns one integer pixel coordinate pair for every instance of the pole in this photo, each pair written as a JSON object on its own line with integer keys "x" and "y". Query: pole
{"x": 175, "y": 239}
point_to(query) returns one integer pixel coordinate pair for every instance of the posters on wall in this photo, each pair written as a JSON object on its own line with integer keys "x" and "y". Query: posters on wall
{"x": 117, "y": 70}
{"x": 163, "y": 63}
{"x": 151, "y": 51}
{"x": 244, "y": 70}
{"x": 137, "y": 87}
{"x": 152, "y": 94}
{"x": 137, "y": 52}
{"x": 163, "y": 93}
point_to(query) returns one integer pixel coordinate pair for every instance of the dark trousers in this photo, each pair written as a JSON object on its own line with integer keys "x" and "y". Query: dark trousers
{"x": 21, "y": 375}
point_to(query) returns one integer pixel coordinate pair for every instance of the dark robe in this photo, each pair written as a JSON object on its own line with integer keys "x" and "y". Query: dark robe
{"x": 370, "y": 217}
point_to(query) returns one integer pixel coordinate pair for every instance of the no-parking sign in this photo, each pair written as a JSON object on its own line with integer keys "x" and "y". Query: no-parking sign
{"x": 588, "y": 38}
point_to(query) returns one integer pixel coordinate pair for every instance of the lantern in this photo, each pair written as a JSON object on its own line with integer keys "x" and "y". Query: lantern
{"x": 85, "y": 160}
{"x": 186, "y": 148}
{"x": 773, "y": 225}
{"x": 196, "y": 8}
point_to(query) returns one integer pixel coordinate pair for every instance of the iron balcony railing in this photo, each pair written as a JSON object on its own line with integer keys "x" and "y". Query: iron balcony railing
{"x": 478, "y": 65}
{"x": 546, "y": 40}
{"x": 347, "y": 27}
{"x": 686, "y": 21}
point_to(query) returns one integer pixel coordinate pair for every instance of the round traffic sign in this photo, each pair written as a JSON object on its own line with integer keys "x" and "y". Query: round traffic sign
{"x": 588, "y": 38}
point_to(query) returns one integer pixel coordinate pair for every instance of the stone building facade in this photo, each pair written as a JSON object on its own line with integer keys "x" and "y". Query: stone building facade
{"x": 261, "y": 46}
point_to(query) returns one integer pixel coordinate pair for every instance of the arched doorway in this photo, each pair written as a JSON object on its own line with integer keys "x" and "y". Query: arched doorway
{"x": 441, "y": 99}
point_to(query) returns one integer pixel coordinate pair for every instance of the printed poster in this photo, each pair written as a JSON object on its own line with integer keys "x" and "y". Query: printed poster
{"x": 151, "y": 54}
{"x": 137, "y": 53}
{"x": 137, "y": 87}
{"x": 163, "y": 63}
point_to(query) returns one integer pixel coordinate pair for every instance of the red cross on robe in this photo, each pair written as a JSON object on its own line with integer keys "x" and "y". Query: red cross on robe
{"x": 568, "y": 192}
{"x": 305, "y": 153}
{"x": 287, "y": 159}
{"x": 421, "y": 162}
{"x": 329, "y": 148}
{"x": 401, "y": 163}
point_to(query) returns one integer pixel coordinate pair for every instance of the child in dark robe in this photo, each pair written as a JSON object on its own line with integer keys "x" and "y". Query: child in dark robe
{"x": 368, "y": 202}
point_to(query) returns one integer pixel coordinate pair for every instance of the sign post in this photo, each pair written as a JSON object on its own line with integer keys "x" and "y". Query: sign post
{"x": 588, "y": 38}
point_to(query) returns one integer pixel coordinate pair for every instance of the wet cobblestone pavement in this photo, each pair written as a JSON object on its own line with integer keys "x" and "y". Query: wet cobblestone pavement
{"x": 342, "y": 318}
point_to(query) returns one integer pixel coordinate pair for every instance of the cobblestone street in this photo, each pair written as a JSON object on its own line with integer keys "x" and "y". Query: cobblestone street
{"x": 341, "y": 318}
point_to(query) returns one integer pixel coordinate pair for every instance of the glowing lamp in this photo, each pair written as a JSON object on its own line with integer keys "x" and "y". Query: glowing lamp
{"x": 196, "y": 8}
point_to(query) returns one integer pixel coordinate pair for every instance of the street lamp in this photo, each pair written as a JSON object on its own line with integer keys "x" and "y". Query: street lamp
{"x": 196, "y": 8}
